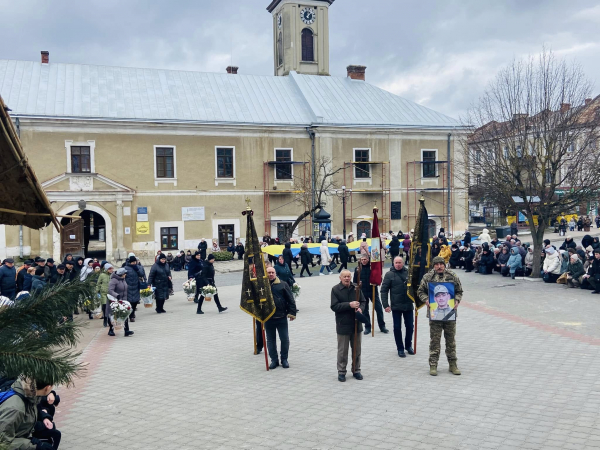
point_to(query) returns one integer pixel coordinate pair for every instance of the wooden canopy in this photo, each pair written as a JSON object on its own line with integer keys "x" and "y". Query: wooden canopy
{"x": 22, "y": 200}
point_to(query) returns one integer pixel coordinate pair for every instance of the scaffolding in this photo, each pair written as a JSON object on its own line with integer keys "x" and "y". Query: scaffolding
{"x": 380, "y": 194}
{"x": 415, "y": 188}
{"x": 270, "y": 188}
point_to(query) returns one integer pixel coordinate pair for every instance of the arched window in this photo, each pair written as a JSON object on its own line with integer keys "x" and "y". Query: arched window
{"x": 308, "y": 45}
{"x": 280, "y": 49}
{"x": 363, "y": 227}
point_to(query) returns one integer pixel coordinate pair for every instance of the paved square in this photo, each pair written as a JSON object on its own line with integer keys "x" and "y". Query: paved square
{"x": 529, "y": 353}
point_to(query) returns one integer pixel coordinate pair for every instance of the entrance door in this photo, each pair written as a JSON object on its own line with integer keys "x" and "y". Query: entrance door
{"x": 283, "y": 230}
{"x": 72, "y": 239}
{"x": 226, "y": 235}
{"x": 363, "y": 227}
{"x": 432, "y": 228}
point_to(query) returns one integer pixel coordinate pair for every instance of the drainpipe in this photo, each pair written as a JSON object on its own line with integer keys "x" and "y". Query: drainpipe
{"x": 18, "y": 126}
{"x": 449, "y": 183}
{"x": 311, "y": 134}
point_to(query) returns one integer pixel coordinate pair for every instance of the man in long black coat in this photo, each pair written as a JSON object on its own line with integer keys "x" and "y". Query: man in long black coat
{"x": 344, "y": 256}
{"x": 367, "y": 290}
{"x": 202, "y": 246}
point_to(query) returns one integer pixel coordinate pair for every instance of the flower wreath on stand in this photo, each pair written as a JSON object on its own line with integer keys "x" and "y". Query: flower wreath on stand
{"x": 209, "y": 292}
{"x": 189, "y": 287}
{"x": 119, "y": 311}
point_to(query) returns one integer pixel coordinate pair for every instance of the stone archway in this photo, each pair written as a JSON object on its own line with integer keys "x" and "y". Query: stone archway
{"x": 108, "y": 230}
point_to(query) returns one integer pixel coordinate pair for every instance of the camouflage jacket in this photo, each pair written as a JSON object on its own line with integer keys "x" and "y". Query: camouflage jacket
{"x": 448, "y": 275}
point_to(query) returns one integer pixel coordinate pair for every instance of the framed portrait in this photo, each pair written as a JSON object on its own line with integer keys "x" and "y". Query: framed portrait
{"x": 375, "y": 250}
{"x": 441, "y": 301}
{"x": 415, "y": 254}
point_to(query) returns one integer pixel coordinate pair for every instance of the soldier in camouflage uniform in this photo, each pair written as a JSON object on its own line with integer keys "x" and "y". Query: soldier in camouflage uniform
{"x": 437, "y": 275}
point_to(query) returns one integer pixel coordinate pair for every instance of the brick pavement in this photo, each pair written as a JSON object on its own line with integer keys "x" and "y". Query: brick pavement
{"x": 191, "y": 382}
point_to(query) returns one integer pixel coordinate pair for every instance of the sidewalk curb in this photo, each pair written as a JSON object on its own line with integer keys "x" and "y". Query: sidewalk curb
{"x": 529, "y": 279}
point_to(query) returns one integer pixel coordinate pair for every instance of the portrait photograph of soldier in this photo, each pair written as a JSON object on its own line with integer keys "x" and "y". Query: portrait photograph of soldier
{"x": 441, "y": 301}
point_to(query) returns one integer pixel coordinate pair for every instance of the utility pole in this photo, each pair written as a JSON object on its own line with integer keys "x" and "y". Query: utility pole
{"x": 342, "y": 193}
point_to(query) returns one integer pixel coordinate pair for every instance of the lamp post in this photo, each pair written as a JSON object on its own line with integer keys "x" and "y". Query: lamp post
{"x": 342, "y": 193}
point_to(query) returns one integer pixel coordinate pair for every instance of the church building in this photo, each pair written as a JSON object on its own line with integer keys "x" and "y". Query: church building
{"x": 156, "y": 159}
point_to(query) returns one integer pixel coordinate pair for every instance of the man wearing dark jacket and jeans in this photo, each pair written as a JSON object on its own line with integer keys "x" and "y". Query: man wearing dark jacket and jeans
{"x": 400, "y": 305}
{"x": 367, "y": 290}
{"x": 285, "y": 307}
{"x": 345, "y": 306}
{"x": 8, "y": 275}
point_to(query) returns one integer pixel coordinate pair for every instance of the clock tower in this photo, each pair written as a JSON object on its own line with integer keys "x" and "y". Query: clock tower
{"x": 301, "y": 36}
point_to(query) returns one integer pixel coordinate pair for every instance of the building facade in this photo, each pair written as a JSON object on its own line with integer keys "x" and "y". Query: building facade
{"x": 157, "y": 160}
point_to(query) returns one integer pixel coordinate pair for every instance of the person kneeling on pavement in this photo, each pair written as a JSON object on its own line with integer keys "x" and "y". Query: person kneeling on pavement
{"x": 45, "y": 428}
{"x": 285, "y": 308}
{"x": 440, "y": 274}
{"x": 19, "y": 414}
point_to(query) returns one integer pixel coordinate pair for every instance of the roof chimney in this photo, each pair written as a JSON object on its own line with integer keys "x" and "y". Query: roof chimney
{"x": 564, "y": 107}
{"x": 45, "y": 57}
{"x": 588, "y": 101}
{"x": 232, "y": 70}
{"x": 357, "y": 72}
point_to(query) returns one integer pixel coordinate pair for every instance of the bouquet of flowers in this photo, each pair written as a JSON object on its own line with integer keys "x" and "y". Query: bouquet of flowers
{"x": 146, "y": 295}
{"x": 208, "y": 292}
{"x": 296, "y": 290}
{"x": 120, "y": 311}
{"x": 93, "y": 304}
{"x": 189, "y": 287}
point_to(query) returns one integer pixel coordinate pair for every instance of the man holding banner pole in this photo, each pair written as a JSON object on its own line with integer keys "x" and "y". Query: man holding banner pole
{"x": 375, "y": 279}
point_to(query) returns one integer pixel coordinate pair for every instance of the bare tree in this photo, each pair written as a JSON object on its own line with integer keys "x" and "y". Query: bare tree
{"x": 534, "y": 147}
{"x": 303, "y": 190}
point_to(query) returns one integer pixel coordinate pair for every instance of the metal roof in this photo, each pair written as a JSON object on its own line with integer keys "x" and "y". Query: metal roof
{"x": 84, "y": 91}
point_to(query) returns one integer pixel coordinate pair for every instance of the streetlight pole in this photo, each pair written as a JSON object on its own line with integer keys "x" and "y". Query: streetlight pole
{"x": 343, "y": 192}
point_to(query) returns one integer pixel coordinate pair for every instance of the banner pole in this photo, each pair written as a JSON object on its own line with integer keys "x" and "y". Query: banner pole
{"x": 265, "y": 346}
{"x": 373, "y": 314}
{"x": 254, "y": 333}
{"x": 416, "y": 324}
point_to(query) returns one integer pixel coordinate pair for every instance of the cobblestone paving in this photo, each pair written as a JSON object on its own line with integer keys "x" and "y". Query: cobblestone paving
{"x": 530, "y": 379}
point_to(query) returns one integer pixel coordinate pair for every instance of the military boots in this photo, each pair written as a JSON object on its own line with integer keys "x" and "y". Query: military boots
{"x": 433, "y": 371}
{"x": 454, "y": 368}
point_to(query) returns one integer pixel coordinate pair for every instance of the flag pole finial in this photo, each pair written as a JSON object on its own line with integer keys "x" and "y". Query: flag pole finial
{"x": 248, "y": 204}
{"x": 375, "y": 208}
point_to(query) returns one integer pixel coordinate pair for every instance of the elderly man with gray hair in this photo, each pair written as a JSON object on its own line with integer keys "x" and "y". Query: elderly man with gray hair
{"x": 347, "y": 301}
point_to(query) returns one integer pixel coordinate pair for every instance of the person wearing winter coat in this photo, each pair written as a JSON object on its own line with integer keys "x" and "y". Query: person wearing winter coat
{"x": 593, "y": 272}
{"x": 587, "y": 241}
{"x": 467, "y": 238}
{"x": 239, "y": 249}
{"x": 230, "y": 249}
{"x": 45, "y": 429}
{"x": 8, "y": 276}
{"x": 595, "y": 243}
{"x": 367, "y": 291}
{"x": 345, "y": 255}
{"x": 485, "y": 236}
{"x": 455, "y": 257}
{"x": 188, "y": 258}
{"x": 564, "y": 261}
{"x": 569, "y": 243}
{"x": 79, "y": 265}
{"x": 305, "y": 260}
{"x": 160, "y": 278}
{"x": 207, "y": 278}
{"x": 195, "y": 265}
{"x": 117, "y": 288}
{"x": 572, "y": 224}
{"x": 285, "y": 308}
{"x": 288, "y": 256}
{"x": 486, "y": 260}
{"x": 502, "y": 261}
{"x": 400, "y": 305}
{"x": 102, "y": 288}
{"x": 202, "y": 247}
{"x": 441, "y": 237}
{"x": 38, "y": 283}
{"x": 394, "y": 249}
{"x": 283, "y": 271}
{"x": 575, "y": 271}
{"x": 86, "y": 269}
{"x": 515, "y": 262}
{"x": 529, "y": 261}
{"x": 133, "y": 285}
{"x": 445, "y": 253}
{"x": 325, "y": 258}
{"x": 435, "y": 249}
{"x": 406, "y": 245}
{"x": 467, "y": 256}
{"x": 18, "y": 415}
{"x": 477, "y": 258}
{"x": 514, "y": 228}
{"x": 551, "y": 267}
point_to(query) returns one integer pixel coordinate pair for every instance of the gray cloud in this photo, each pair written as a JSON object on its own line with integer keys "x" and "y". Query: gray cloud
{"x": 440, "y": 54}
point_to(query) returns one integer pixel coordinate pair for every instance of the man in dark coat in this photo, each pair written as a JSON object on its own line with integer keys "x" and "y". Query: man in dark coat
{"x": 8, "y": 275}
{"x": 239, "y": 249}
{"x": 394, "y": 247}
{"x": 305, "y": 260}
{"x": 195, "y": 265}
{"x": 346, "y": 306}
{"x": 288, "y": 256}
{"x": 38, "y": 283}
{"x": 344, "y": 255}
{"x": 569, "y": 243}
{"x": 593, "y": 272}
{"x": 133, "y": 285}
{"x": 285, "y": 307}
{"x": 202, "y": 246}
{"x": 486, "y": 262}
{"x": 400, "y": 305}
{"x": 367, "y": 290}
{"x": 160, "y": 276}
{"x": 207, "y": 278}
{"x": 50, "y": 271}
{"x": 21, "y": 274}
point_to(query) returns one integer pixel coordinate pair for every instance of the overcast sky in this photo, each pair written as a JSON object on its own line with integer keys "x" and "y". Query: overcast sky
{"x": 440, "y": 54}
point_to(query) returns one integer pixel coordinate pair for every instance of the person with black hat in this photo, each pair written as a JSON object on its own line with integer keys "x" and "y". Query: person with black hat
{"x": 21, "y": 272}
{"x": 39, "y": 282}
{"x": 207, "y": 278}
{"x": 160, "y": 277}
{"x": 60, "y": 274}
{"x": 133, "y": 279}
{"x": 50, "y": 271}
{"x": 8, "y": 276}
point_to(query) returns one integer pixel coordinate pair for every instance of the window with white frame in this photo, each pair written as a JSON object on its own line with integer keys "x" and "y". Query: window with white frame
{"x": 506, "y": 151}
{"x": 362, "y": 155}
{"x": 429, "y": 166}
{"x": 165, "y": 164}
{"x": 80, "y": 157}
{"x": 225, "y": 162}
{"x": 571, "y": 148}
{"x": 284, "y": 170}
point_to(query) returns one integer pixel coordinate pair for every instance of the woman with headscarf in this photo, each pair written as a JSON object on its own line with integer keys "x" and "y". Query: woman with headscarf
{"x": 551, "y": 268}
{"x": 468, "y": 255}
{"x": 133, "y": 279}
{"x": 485, "y": 236}
{"x": 445, "y": 253}
{"x": 102, "y": 288}
{"x": 325, "y": 258}
{"x": 529, "y": 261}
{"x": 86, "y": 269}
{"x": 207, "y": 278}
{"x": 467, "y": 238}
{"x": 502, "y": 260}
{"x": 564, "y": 261}
{"x": 79, "y": 265}
{"x": 364, "y": 246}
{"x": 595, "y": 243}
{"x": 455, "y": 256}
{"x": 188, "y": 258}
{"x": 486, "y": 260}
{"x": 283, "y": 271}
{"x": 117, "y": 288}
{"x": 160, "y": 277}
{"x": 515, "y": 263}
{"x": 586, "y": 241}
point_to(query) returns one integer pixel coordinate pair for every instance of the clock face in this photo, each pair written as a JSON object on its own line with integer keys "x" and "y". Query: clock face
{"x": 308, "y": 15}
{"x": 279, "y": 21}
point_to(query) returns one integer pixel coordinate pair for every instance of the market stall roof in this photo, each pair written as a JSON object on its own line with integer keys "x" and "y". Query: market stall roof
{"x": 22, "y": 200}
